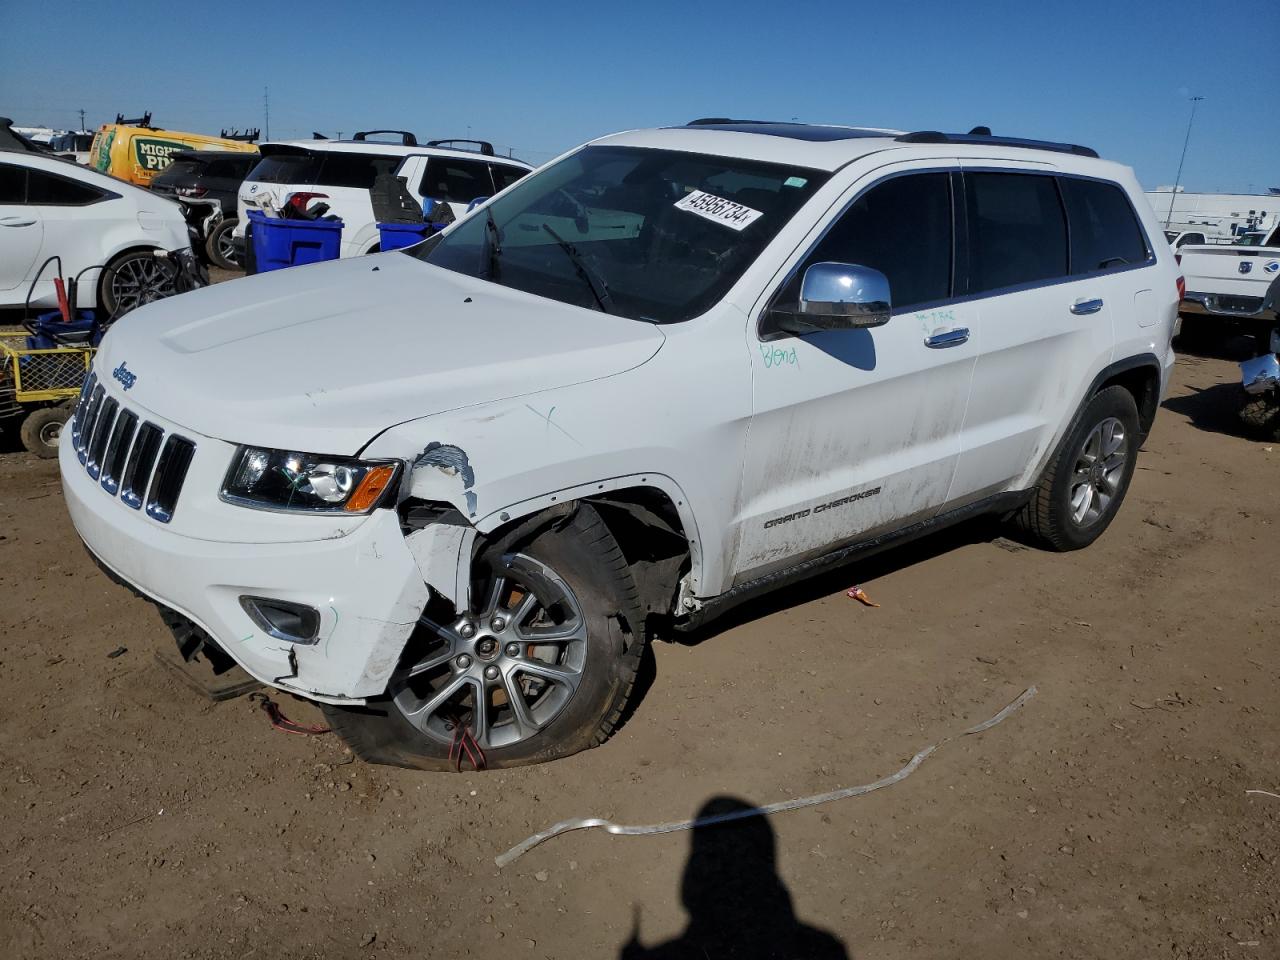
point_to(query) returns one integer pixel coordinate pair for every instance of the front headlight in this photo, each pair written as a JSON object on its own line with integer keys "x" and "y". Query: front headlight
{"x": 307, "y": 482}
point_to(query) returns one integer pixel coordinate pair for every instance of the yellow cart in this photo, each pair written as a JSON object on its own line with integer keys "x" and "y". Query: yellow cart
{"x": 38, "y": 389}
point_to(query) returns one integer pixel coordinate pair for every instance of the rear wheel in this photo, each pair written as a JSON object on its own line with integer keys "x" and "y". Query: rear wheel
{"x": 133, "y": 279}
{"x": 540, "y": 667}
{"x": 219, "y": 248}
{"x": 1083, "y": 487}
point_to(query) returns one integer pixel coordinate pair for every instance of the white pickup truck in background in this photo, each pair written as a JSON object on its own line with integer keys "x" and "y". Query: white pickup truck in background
{"x": 1229, "y": 282}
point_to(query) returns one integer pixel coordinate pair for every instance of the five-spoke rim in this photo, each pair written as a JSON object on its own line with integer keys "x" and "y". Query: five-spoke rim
{"x": 1095, "y": 481}
{"x": 505, "y": 670}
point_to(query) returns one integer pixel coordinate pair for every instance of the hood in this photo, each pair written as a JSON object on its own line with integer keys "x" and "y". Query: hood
{"x": 323, "y": 358}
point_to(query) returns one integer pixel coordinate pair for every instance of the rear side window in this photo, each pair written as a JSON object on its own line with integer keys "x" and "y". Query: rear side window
{"x": 1017, "y": 232}
{"x": 902, "y": 228}
{"x": 457, "y": 181}
{"x": 360, "y": 170}
{"x": 298, "y": 168}
{"x": 13, "y": 183}
{"x": 504, "y": 176}
{"x": 1105, "y": 234}
{"x": 50, "y": 190}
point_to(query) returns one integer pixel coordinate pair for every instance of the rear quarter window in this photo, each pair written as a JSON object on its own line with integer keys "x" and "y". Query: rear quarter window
{"x": 48, "y": 189}
{"x": 1105, "y": 234}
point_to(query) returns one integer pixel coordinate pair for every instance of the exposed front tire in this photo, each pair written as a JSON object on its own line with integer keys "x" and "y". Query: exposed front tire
{"x": 1082, "y": 488}
{"x": 541, "y": 667}
{"x": 42, "y": 428}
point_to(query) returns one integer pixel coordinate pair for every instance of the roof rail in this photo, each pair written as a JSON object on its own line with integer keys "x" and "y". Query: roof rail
{"x": 933, "y": 136}
{"x": 709, "y": 121}
{"x": 484, "y": 146}
{"x": 250, "y": 135}
{"x": 407, "y": 139}
{"x": 142, "y": 121}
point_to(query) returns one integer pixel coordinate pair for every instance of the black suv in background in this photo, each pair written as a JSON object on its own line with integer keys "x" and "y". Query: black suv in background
{"x": 208, "y": 181}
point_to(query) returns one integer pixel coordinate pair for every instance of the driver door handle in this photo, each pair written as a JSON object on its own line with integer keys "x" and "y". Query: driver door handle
{"x": 948, "y": 338}
{"x": 15, "y": 222}
{"x": 1083, "y": 307}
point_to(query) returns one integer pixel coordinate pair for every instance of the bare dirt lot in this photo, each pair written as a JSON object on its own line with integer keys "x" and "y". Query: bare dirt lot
{"x": 1108, "y": 818}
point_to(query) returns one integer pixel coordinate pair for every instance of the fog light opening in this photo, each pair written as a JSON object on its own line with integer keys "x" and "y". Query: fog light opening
{"x": 283, "y": 619}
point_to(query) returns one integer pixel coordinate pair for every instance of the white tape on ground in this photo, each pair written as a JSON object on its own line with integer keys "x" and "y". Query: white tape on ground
{"x": 584, "y": 823}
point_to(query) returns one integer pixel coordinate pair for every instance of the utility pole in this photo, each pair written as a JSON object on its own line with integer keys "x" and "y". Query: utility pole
{"x": 1177, "y": 181}
{"x": 82, "y": 119}
{"x": 266, "y": 111}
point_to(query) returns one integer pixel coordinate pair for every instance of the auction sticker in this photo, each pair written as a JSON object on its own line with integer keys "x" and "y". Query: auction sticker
{"x": 718, "y": 209}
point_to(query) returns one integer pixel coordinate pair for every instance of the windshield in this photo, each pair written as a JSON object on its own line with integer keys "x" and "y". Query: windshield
{"x": 653, "y": 235}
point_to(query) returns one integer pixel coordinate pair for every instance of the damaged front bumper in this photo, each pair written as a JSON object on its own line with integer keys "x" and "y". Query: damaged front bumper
{"x": 365, "y": 585}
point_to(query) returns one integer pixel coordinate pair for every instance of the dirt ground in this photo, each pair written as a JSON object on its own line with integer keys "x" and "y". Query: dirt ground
{"x": 1108, "y": 818}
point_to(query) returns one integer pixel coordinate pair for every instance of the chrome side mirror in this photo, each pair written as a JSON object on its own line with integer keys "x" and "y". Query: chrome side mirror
{"x": 836, "y": 296}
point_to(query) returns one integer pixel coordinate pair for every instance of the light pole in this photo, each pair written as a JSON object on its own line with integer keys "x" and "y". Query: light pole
{"x": 1177, "y": 181}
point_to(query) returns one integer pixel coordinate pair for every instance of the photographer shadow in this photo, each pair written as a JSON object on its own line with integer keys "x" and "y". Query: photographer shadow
{"x": 738, "y": 906}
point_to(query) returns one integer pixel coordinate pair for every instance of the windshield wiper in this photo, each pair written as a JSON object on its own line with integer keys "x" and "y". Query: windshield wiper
{"x": 599, "y": 289}
{"x": 493, "y": 245}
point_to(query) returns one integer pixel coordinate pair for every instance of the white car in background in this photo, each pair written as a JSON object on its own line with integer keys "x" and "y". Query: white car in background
{"x": 341, "y": 172}
{"x": 52, "y": 207}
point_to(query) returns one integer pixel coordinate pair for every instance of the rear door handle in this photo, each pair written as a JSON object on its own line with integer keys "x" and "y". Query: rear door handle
{"x": 948, "y": 338}
{"x": 15, "y": 222}
{"x": 1082, "y": 307}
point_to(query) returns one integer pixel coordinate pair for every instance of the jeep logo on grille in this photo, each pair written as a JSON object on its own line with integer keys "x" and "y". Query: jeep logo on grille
{"x": 126, "y": 376}
{"x": 1245, "y": 266}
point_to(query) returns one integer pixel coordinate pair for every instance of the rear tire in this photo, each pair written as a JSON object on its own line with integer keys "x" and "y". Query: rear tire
{"x": 219, "y": 248}
{"x": 571, "y": 692}
{"x": 134, "y": 279}
{"x": 1082, "y": 488}
{"x": 41, "y": 430}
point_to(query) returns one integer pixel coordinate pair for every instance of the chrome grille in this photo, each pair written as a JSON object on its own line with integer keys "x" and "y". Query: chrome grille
{"x": 127, "y": 456}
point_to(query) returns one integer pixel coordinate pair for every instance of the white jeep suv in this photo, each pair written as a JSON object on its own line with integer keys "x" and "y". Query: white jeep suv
{"x": 342, "y": 171}
{"x": 451, "y": 492}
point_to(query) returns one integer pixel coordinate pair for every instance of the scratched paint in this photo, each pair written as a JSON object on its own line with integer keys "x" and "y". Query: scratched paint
{"x": 452, "y": 460}
{"x": 549, "y": 422}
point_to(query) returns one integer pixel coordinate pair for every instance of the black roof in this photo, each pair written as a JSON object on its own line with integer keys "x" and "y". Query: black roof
{"x": 778, "y": 128}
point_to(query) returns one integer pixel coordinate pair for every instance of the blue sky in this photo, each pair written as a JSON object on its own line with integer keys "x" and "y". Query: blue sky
{"x": 542, "y": 77}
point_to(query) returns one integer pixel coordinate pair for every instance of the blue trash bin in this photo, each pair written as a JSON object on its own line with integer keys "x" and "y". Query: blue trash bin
{"x": 395, "y": 236}
{"x": 279, "y": 243}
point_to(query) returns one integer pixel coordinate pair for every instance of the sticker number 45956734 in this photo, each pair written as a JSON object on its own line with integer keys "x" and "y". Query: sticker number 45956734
{"x": 708, "y": 205}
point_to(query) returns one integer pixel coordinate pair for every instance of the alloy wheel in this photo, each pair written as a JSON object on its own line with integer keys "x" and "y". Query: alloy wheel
{"x": 140, "y": 280}
{"x": 506, "y": 669}
{"x": 1099, "y": 469}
